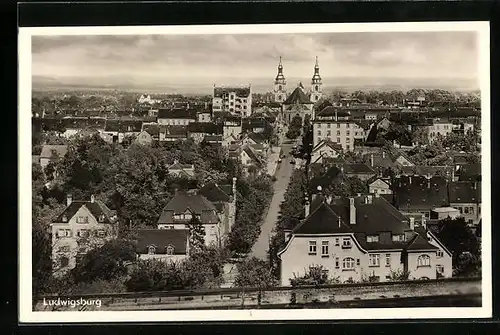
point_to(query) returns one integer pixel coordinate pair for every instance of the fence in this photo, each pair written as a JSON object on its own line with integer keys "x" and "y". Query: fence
{"x": 278, "y": 296}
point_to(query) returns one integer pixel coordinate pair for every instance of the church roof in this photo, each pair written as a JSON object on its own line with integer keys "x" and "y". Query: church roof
{"x": 297, "y": 97}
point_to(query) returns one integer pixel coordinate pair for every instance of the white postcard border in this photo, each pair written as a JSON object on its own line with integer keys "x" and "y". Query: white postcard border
{"x": 24, "y": 182}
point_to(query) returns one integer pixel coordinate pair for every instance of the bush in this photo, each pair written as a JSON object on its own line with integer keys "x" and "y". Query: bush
{"x": 399, "y": 275}
{"x": 314, "y": 277}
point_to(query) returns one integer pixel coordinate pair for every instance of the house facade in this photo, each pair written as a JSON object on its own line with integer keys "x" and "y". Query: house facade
{"x": 52, "y": 153}
{"x": 357, "y": 239}
{"x": 82, "y": 226}
{"x": 223, "y": 197}
{"x": 335, "y": 125}
{"x": 465, "y": 196}
{"x": 176, "y": 117}
{"x": 188, "y": 204}
{"x": 379, "y": 185}
{"x": 325, "y": 149}
{"x": 235, "y": 100}
{"x": 168, "y": 245}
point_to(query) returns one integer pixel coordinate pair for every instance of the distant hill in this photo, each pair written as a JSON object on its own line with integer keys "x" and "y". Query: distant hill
{"x": 259, "y": 85}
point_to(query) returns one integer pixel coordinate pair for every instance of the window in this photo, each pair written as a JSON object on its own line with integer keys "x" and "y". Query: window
{"x": 319, "y": 132}
{"x": 312, "y": 247}
{"x": 372, "y": 238}
{"x": 439, "y": 253}
{"x": 471, "y": 210}
{"x": 338, "y": 139}
{"x": 82, "y": 233}
{"x": 439, "y": 268}
{"x": 151, "y": 250}
{"x": 346, "y": 242}
{"x": 328, "y": 133}
{"x": 337, "y": 242}
{"x": 170, "y": 250}
{"x": 82, "y": 219}
{"x": 460, "y": 210}
{"x": 338, "y": 125}
{"x": 398, "y": 238}
{"x": 328, "y": 125}
{"x": 338, "y": 132}
{"x": 64, "y": 248}
{"x": 347, "y": 133}
{"x": 64, "y": 233}
{"x": 358, "y": 262}
{"x": 337, "y": 263}
{"x": 101, "y": 218}
{"x": 347, "y": 139}
{"x": 423, "y": 260}
{"x": 347, "y": 146}
{"x": 466, "y": 210}
{"x": 387, "y": 259}
{"x": 348, "y": 263}
{"x": 101, "y": 233}
{"x": 324, "y": 249}
{"x": 374, "y": 260}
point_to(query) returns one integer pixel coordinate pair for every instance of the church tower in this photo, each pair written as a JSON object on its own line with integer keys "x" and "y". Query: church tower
{"x": 280, "y": 85}
{"x": 316, "y": 85}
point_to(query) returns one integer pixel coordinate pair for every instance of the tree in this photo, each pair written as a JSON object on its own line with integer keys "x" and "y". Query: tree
{"x": 106, "y": 262}
{"x": 314, "y": 276}
{"x": 456, "y": 235}
{"x": 253, "y": 272}
{"x": 196, "y": 235}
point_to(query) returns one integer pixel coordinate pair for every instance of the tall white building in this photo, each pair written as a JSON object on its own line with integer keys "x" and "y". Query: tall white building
{"x": 235, "y": 100}
{"x": 336, "y": 125}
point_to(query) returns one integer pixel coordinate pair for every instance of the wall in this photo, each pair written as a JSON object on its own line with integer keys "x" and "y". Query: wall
{"x": 212, "y": 231}
{"x": 163, "y": 257}
{"x": 177, "y": 122}
{"x": 475, "y": 215}
{"x": 417, "y": 272}
{"x": 338, "y": 133}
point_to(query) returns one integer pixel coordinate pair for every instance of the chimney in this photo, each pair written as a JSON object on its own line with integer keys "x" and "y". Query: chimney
{"x": 329, "y": 199}
{"x": 424, "y": 223}
{"x": 383, "y": 154}
{"x": 69, "y": 199}
{"x": 377, "y": 195}
{"x": 409, "y": 179}
{"x": 371, "y": 160}
{"x": 234, "y": 189}
{"x": 369, "y": 199}
{"x": 352, "y": 211}
{"x": 428, "y": 183}
{"x": 412, "y": 223}
{"x": 475, "y": 185}
{"x": 307, "y": 207}
{"x": 92, "y": 198}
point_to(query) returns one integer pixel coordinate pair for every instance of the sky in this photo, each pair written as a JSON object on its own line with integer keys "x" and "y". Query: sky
{"x": 186, "y": 59}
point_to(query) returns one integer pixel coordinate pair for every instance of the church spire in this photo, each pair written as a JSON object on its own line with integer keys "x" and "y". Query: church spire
{"x": 280, "y": 78}
{"x": 280, "y": 84}
{"x": 316, "y": 77}
{"x": 316, "y": 90}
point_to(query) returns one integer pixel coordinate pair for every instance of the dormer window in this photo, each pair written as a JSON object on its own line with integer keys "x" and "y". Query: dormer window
{"x": 151, "y": 250}
{"x": 346, "y": 243}
{"x": 398, "y": 238}
{"x": 64, "y": 218}
{"x": 82, "y": 219}
{"x": 170, "y": 250}
{"x": 101, "y": 218}
{"x": 372, "y": 238}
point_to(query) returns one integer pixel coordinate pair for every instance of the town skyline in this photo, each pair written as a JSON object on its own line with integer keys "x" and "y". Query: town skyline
{"x": 183, "y": 62}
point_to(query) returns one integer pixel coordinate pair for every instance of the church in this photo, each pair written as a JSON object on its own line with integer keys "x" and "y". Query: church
{"x": 301, "y": 101}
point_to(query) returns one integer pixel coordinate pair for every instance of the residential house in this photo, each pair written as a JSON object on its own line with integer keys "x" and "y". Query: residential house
{"x": 258, "y": 142}
{"x": 379, "y": 185}
{"x": 361, "y": 171}
{"x": 335, "y": 125}
{"x": 181, "y": 170}
{"x": 144, "y": 138}
{"x": 170, "y": 245}
{"x": 188, "y": 204}
{"x": 213, "y": 139}
{"x": 82, "y": 226}
{"x": 176, "y": 117}
{"x": 401, "y": 159}
{"x": 74, "y": 125}
{"x": 384, "y": 123}
{"x": 223, "y": 197}
{"x": 255, "y": 125}
{"x": 118, "y": 129}
{"x": 356, "y": 239}
{"x": 52, "y": 153}
{"x": 205, "y": 116}
{"x": 173, "y": 133}
{"x": 419, "y": 194}
{"x": 466, "y": 197}
{"x": 250, "y": 158}
{"x": 232, "y": 126}
{"x": 439, "y": 128}
{"x": 428, "y": 171}
{"x": 325, "y": 149}
{"x": 235, "y": 100}
{"x": 198, "y": 130}
{"x": 230, "y": 140}
{"x": 468, "y": 172}
{"x": 441, "y": 213}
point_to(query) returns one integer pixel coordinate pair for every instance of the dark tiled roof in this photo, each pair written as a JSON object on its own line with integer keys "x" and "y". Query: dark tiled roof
{"x": 96, "y": 208}
{"x": 161, "y": 239}
{"x": 214, "y": 193}
{"x": 84, "y": 123}
{"x": 365, "y": 124}
{"x": 123, "y": 125}
{"x": 322, "y": 220}
{"x": 195, "y": 203}
{"x": 334, "y": 146}
{"x": 205, "y": 128}
{"x": 421, "y": 170}
{"x": 174, "y": 130}
{"x": 464, "y": 192}
{"x": 213, "y": 138}
{"x": 250, "y": 124}
{"x": 257, "y": 138}
{"x": 379, "y": 160}
{"x": 49, "y": 150}
{"x": 330, "y": 111}
{"x": 420, "y": 242}
{"x": 469, "y": 172}
{"x": 419, "y": 193}
{"x": 228, "y": 189}
{"x": 180, "y": 113}
{"x": 297, "y": 97}
{"x": 151, "y": 129}
{"x": 332, "y": 175}
{"x": 253, "y": 156}
{"x": 356, "y": 168}
{"x": 242, "y": 92}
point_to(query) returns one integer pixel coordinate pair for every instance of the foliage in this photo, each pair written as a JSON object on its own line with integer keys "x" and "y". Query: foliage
{"x": 106, "y": 262}
{"x": 316, "y": 275}
{"x": 459, "y": 238}
{"x": 399, "y": 275}
{"x": 294, "y": 198}
{"x": 253, "y": 272}
{"x": 252, "y": 200}
{"x": 196, "y": 235}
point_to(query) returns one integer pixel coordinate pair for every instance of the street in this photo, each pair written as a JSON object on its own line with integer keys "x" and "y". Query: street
{"x": 283, "y": 175}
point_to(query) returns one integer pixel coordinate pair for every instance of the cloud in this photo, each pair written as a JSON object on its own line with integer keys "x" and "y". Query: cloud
{"x": 411, "y": 54}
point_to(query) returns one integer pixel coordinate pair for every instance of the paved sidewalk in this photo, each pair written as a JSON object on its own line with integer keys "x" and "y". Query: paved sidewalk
{"x": 272, "y": 161}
